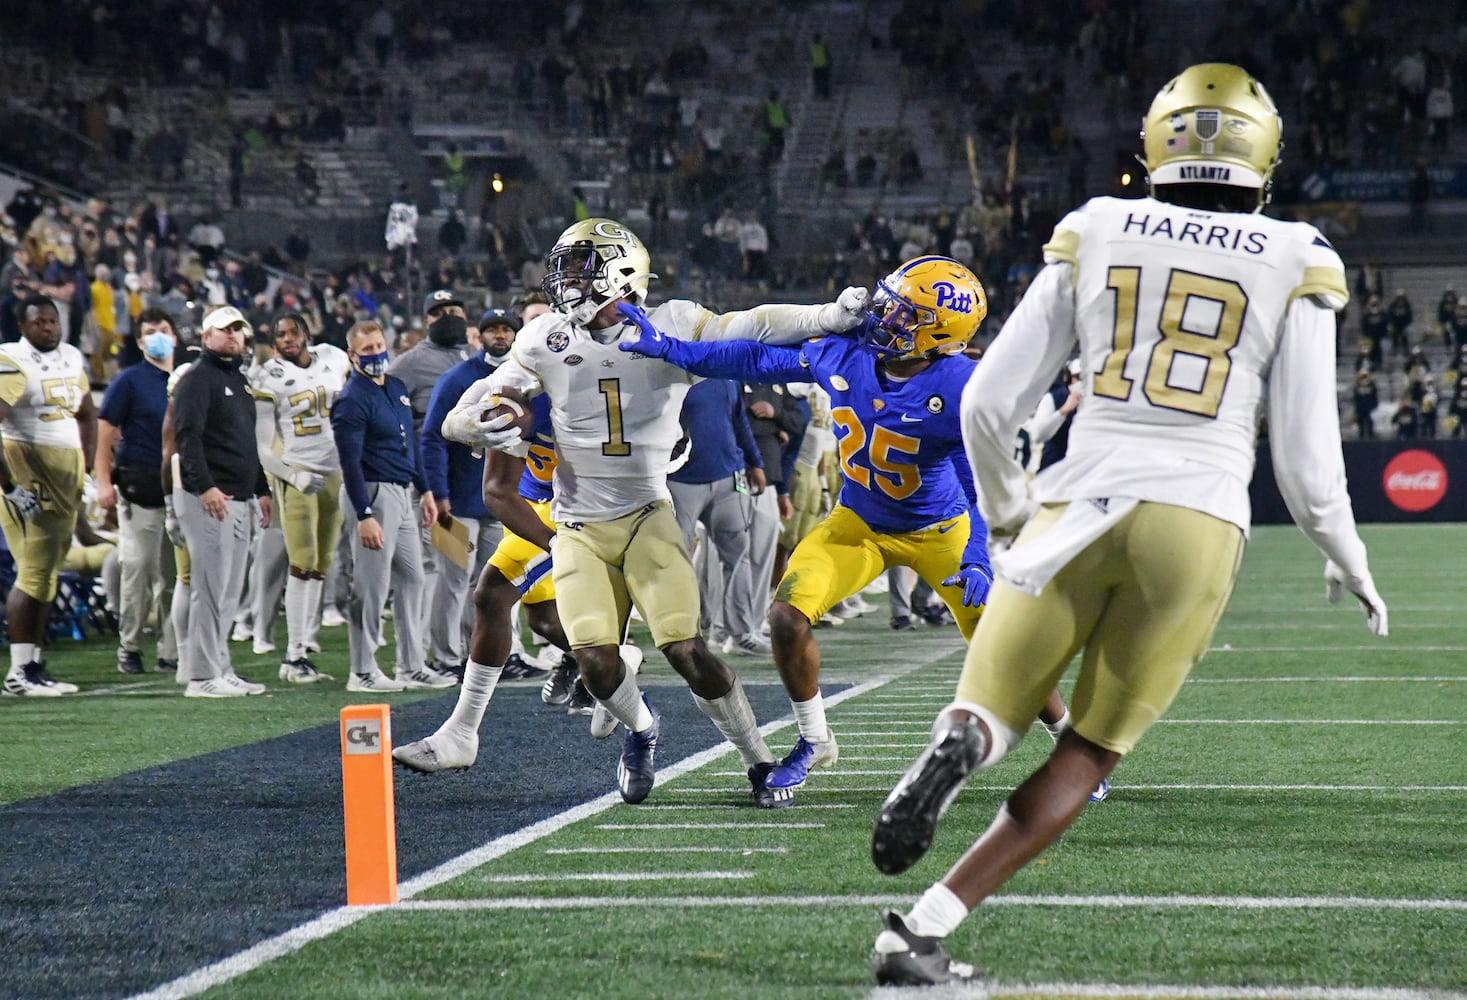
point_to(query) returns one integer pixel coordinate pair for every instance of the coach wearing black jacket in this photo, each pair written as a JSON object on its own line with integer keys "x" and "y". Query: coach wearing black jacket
{"x": 214, "y": 435}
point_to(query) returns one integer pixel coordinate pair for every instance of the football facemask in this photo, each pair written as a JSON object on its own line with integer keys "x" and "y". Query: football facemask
{"x": 928, "y": 306}
{"x": 1213, "y": 124}
{"x": 592, "y": 263}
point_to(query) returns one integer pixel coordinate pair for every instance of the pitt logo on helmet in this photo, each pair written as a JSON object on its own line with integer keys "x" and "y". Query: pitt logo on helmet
{"x": 949, "y": 297}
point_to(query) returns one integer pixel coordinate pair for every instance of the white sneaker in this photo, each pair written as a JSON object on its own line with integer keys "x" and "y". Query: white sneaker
{"x": 248, "y": 687}
{"x": 374, "y": 683}
{"x": 214, "y": 687}
{"x": 312, "y": 646}
{"x": 829, "y": 618}
{"x": 879, "y": 586}
{"x": 752, "y": 644}
{"x": 262, "y": 646}
{"x": 425, "y": 677}
{"x": 65, "y": 687}
{"x": 331, "y": 618}
{"x": 27, "y": 682}
{"x": 243, "y": 632}
{"x": 603, "y": 723}
{"x": 439, "y": 752}
{"x": 855, "y": 606}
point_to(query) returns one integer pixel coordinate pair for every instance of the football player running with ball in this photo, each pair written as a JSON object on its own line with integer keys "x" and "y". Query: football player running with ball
{"x": 616, "y": 541}
{"x": 907, "y": 496}
{"x": 1192, "y": 313}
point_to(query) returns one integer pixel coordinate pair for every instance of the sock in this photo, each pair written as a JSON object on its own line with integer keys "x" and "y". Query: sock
{"x": 735, "y": 720}
{"x": 315, "y": 589}
{"x": 473, "y": 698}
{"x": 811, "y": 717}
{"x": 937, "y": 913}
{"x": 297, "y": 612}
{"x": 179, "y": 614}
{"x": 627, "y": 707}
{"x": 23, "y": 654}
{"x": 516, "y": 638}
{"x": 1057, "y": 728}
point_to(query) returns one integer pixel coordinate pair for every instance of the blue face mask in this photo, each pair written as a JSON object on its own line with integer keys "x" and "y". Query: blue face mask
{"x": 373, "y": 365}
{"x": 158, "y": 345}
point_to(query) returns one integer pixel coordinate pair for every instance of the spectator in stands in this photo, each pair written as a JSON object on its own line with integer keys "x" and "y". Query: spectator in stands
{"x": 1405, "y": 421}
{"x": 308, "y": 185}
{"x": 1439, "y": 110}
{"x": 452, "y": 235}
{"x": 1459, "y": 409}
{"x": 1367, "y": 398}
{"x": 298, "y": 248}
{"x": 1446, "y": 308}
{"x": 1459, "y": 326}
{"x": 1374, "y": 329}
{"x": 820, "y": 67}
{"x": 1398, "y": 321}
{"x": 131, "y": 419}
{"x": 776, "y": 121}
{"x": 1427, "y": 406}
{"x": 382, "y": 28}
{"x": 49, "y": 424}
{"x": 754, "y": 249}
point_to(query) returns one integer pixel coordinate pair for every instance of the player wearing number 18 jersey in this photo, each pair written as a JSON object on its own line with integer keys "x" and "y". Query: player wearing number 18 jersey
{"x": 615, "y": 417}
{"x": 1193, "y": 315}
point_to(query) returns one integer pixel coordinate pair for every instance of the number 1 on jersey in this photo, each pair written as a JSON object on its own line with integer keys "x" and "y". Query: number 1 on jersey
{"x": 615, "y": 444}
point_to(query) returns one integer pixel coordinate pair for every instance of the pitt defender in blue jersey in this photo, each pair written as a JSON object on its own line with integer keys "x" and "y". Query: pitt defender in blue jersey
{"x": 907, "y": 496}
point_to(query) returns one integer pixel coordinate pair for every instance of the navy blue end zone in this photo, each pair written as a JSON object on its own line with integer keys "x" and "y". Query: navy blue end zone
{"x": 117, "y": 887}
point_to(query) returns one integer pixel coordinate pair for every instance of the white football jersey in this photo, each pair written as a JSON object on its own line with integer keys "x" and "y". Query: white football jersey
{"x": 1191, "y": 325}
{"x": 616, "y": 414}
{"x": 44, "y": 389}
{"x": 303, "y": 398}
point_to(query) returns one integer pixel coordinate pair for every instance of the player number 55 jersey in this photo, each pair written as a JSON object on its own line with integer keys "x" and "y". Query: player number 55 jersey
{"x": 45, "y": 389}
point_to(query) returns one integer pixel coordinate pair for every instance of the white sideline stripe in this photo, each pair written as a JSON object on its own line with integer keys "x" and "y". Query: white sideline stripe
{"x": 1377, "y": 648}
{"x": 725, "y": 805}
{"x": 1107, "y": 991}
{"x": 236, "y": 965}
{"x": 1110, "y": 902}
{"x": 667, "y": 850}
{"x": 1316, "y": 626}
{"x": 619, "y": 877}
{"x": 1325, "y": 680}
{"x": 1310, "y": 722}
{"x": 1125, "y": 786}
{"x": 134, "y": 687}
{"x": 711, "y": 826}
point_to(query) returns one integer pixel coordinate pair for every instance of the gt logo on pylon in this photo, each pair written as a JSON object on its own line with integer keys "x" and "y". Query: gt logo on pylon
{"x": 949, "y": 297}
{"x": 364, "y": 737}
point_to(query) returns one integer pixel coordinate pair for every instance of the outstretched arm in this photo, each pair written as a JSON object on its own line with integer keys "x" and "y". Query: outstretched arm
{"x": 745, "y": 360}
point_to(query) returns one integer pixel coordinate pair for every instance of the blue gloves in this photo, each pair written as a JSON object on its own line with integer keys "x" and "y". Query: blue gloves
{"x": 650, "y": 341}
{"x": 975, "y": 581}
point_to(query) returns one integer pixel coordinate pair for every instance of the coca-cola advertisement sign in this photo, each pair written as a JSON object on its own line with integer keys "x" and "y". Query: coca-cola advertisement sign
{"x": 1415, "y": 480}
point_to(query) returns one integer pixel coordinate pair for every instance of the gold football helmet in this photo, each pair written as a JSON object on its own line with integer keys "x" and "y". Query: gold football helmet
{"x": 592, "y": 263}
{"x": 1213, "y": 124}
{"x": 929, "y": 305}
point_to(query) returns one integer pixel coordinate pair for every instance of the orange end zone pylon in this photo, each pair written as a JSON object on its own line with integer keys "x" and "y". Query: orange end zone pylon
{"x": 366, "y": 787}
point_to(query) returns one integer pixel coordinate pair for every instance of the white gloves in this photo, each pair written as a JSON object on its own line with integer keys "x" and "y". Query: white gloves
{"x": 306, "y": 481}
{"x": 22, "y": 503}
{"x": 1336, "y": 582}
{"x": 464, "y": 425}
{"x": 171, "y": 527}
{"x": 847, "y": 311}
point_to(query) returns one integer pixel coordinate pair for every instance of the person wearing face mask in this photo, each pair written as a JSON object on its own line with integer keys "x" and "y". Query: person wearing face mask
{"x": 131, "y": 421}
{"x": 456, "y": 475}
{"x": 373, "y": 425}
{"x": 420, "y": 368}
{"x": 214, "y": 436}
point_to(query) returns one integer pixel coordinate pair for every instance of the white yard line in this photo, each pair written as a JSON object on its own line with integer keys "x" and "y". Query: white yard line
{"x": 821, "y": 779}
{"x": 689, "y": 849}
{"x": 1108, "y": 991}
{"x": 711, "y": 876}
{"x": 710, "y": 826}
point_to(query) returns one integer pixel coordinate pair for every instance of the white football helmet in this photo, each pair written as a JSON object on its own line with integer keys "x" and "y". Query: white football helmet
{"x": 592, "y": 263}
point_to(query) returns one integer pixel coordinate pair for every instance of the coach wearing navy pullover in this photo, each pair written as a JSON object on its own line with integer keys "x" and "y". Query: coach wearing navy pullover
{"x": 714, "y": 487}
{"x": 373, "y": 423}
{"x": 214, "y": 435}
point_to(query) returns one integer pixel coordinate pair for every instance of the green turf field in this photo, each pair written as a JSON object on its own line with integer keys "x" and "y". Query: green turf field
{"x": 1294, "y": 827}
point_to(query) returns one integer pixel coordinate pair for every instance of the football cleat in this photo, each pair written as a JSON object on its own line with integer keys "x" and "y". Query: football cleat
{"x": 908, "y": 818}
{"x": 903, "y": 623}
{"x": 1101, "y": 791}
{"x": 901, "y": 958}
{"x": 424, "y": 677}
{"x": 375, "y": 682}
{"x": 799, "y": 762}
{"x": 166, "y": 666}
{"x": 129, "y": 661}
{"x": 636, "y": 771}
{"x": 765, "y": 796}
{"x": 516, "y": 669}
{"x": 439, "y": 752}
{"x": 247, "y": 686}
{"x": 581, "y": 702}
{"x": 29, "y": 682}
{"x": 557, "y": 689}
{"x": 301, "y": 671}
{"x": 65, "y": 687}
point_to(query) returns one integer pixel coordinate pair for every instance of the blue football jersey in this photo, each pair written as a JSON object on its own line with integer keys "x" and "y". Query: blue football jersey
{"x": 900, "y": 445}
{"x": 535, "y": 484}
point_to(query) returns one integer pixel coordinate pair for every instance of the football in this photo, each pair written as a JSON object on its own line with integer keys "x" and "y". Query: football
{"x": 522, "y": 414}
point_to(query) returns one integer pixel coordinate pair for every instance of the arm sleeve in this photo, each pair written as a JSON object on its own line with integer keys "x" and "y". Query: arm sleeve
{"x": 1014, "y": 372}
{"x": 775, "y": 323}
{"x": 348, "y": 424}
{"x": 432, "y": 445}
{"x": 741, "y": 360}
{"x": 1304, "y": 434}
{"x": 1046, "y": 422}
{"x": 975, "y": 553}
{"x": 743, "y": 433}
{"x": 265, "y": 440}
{"x": 190, "y": 410}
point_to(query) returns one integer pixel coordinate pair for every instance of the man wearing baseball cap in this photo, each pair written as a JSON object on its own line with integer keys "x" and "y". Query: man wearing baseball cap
{"x": 219, "y": 466}
{"x": 420, "y": 369}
